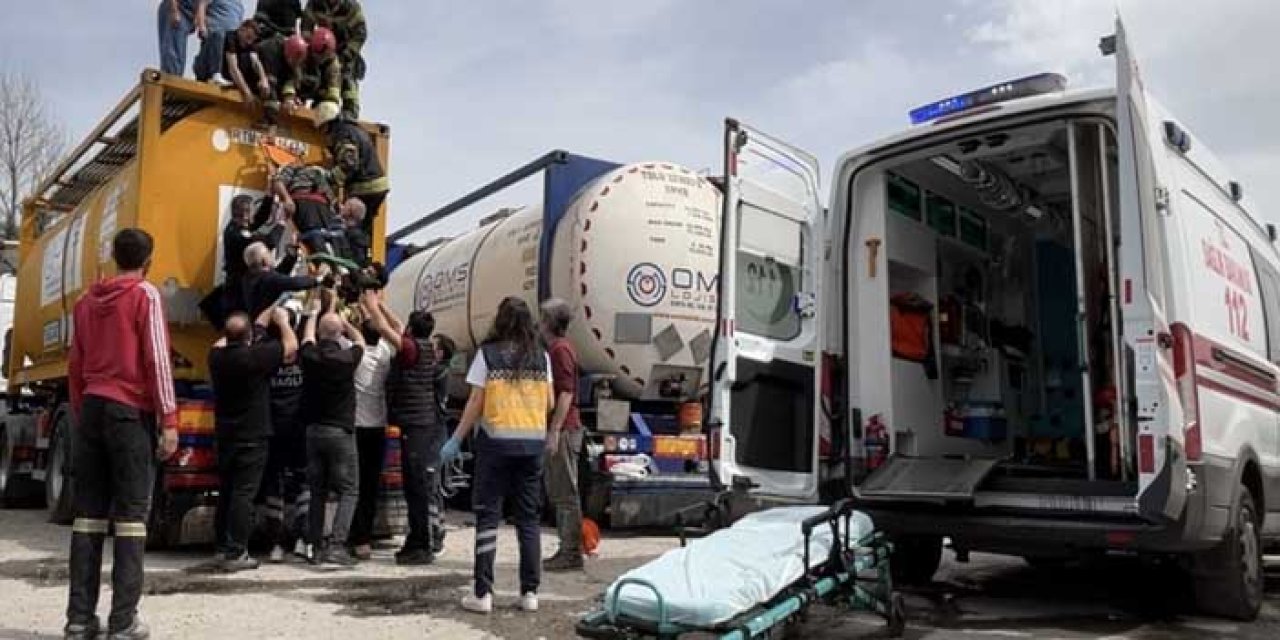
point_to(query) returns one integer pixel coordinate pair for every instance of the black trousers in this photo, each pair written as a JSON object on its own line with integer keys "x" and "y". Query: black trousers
{"x": 285, "y": 490}
{"x": 372, "y": 205}
{"x": 113, "y": 453}
{"x": 520, "y": 479}
{"x": 420, "y": 462}
{"x": 371, "y": 449}
{"x": 331, "y": 466}
{"x": 240, "y": 466}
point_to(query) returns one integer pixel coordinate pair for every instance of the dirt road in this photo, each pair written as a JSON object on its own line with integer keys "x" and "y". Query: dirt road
{"x": 990, "y": 597}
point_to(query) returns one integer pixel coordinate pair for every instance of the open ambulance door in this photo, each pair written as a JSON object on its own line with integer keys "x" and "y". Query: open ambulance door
{"x": 1144, "y": 211}
{"x": 763, "y": 400}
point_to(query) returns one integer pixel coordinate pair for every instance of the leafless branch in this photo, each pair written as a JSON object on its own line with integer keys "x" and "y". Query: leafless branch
{"x": 31, "y": 143}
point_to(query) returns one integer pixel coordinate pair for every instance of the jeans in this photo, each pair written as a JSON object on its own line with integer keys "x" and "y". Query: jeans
{"x": 420, "y": 462}
{"x": 221, "y": 16}
{"x": 371, "y": 447}
{"x": 519, "y": 478}
{"x": 113, "y": 456}
{"x": 331, "y": 465}
{"x": 562, "y": 490}
{"x": 240, "y": 466}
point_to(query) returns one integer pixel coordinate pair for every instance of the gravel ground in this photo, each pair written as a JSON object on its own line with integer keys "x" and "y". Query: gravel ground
{"x": 990, "y": 597}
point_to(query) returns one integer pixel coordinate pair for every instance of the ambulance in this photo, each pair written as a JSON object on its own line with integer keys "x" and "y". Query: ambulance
{"x": 1040, "y": 322}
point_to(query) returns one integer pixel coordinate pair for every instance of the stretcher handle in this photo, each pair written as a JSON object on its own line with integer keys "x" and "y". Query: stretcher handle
{"x": 832, "y": 515}
{"x": 611, "y": 608}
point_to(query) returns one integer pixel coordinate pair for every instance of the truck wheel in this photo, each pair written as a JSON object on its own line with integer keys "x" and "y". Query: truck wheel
{"x": 1228, "y": 578}
{"x": 15, "y": 490}
{"x": 915, "y": 559}
{"x": 57, "y": 482}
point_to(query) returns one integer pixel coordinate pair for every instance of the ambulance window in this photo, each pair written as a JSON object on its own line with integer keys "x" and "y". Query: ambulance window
{"x": 768, "y": 274}
{"x": 1269, "y": 287}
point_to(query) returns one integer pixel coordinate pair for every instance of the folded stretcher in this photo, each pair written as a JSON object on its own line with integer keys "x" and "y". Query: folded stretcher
{"x": 753, "y": 578}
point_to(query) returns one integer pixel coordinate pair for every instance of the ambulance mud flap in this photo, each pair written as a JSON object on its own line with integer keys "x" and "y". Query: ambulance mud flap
{"x": 925, "y": 480}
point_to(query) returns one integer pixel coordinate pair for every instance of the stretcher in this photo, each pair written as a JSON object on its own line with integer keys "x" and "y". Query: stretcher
{"x": 754, "y": 579}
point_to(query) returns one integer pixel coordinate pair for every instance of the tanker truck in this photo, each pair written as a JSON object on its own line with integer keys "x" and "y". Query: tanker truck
{"x": 168, "y": 158}
{"x": 632, "y": 249}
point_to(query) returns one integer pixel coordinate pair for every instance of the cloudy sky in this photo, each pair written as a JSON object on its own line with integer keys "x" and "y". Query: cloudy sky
{"x": 472, "y": 89}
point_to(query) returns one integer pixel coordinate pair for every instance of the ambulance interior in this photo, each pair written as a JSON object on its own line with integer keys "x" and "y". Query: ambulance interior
{"x": 989, "y": 239}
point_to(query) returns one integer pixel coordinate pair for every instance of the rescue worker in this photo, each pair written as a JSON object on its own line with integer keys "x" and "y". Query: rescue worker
{"x": 357, "y": 169}
{"x": 412, "y": 406}
{"x": 316, "y": 81}
{"x": 371, "y": 424}
{"x": 278, "y": 17}
{"x": 511, "y": 395}
{"x": 358, "y": 243}
{"x": 241, "y": 364}
{"x": 345, "y": 18}
{"x": 328, "y": 404}
{"x": 306, "y": 194}
{"x": 264, "y": 284}
{"x": 284, "y": 485}
{"x": 121, "y": 385}
{"x": 241, "y": 65}
{"x": 564, "y": 437}
{"x": 209, "y": 20}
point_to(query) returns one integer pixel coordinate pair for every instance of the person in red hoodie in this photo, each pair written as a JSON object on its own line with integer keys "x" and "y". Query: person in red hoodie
{"x": 121, "y": 386}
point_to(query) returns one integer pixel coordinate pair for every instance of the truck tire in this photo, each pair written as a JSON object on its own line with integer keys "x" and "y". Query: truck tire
{"x": 57, "y": 481}
{"x": 16, "y": 490}
{"x": 1228, "y": 579}
{"x": 915, "y": 559}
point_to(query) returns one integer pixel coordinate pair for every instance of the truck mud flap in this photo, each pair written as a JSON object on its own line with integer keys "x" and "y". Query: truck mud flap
{"x": 925, "y": 479}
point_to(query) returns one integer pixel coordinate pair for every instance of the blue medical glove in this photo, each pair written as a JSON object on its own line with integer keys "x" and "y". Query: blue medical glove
{"x": 452, "y": 449}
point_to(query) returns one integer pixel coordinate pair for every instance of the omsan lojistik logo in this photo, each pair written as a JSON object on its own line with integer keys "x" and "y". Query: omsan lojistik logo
{"x": 646, "y": 284}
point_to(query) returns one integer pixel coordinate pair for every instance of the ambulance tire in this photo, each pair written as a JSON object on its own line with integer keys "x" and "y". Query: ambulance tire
{"x": 1228, "y": 579}
{"x": 915, "y": 559}
{"x": 57, "y": 481}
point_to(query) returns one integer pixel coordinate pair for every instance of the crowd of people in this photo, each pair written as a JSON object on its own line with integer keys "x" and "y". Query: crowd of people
{"x": 283, "y": 57}
{"x": 304, "y": 392}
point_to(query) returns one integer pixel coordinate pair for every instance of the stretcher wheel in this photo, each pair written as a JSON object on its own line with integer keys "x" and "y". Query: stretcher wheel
{"x": 897, "y": 615}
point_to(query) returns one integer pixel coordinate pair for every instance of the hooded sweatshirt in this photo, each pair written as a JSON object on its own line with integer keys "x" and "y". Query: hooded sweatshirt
{"x": 120, "y": 348}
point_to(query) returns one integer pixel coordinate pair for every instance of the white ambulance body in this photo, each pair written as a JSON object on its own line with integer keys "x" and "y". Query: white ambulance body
{"x": 1039, "y": 322}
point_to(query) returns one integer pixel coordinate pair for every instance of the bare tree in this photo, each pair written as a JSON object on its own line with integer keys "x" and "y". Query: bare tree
{"x": 31, "y": 143}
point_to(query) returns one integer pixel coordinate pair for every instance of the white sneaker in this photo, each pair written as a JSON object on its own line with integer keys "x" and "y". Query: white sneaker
{"x": 529, "y": 602}
{"x": 277, "y": 554}
{"x": 478, "y": 605}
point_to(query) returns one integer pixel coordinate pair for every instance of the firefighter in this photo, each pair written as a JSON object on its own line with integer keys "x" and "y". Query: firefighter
{"x": 278, "y": 17}
{"x": 357, "y": 170}
{"x": 315, "y": 81}
{"x": 121, "y": 385}
{"x": 345, "y": 18}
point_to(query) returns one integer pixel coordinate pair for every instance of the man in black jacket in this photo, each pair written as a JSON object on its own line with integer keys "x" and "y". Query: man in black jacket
{"x": 329, "y": 406}
{"x": 240, "y": 367}
{"x": 264, "y": 284}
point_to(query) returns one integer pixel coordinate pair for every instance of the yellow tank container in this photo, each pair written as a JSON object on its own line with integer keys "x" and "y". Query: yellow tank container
{"x": 168, "y": 159}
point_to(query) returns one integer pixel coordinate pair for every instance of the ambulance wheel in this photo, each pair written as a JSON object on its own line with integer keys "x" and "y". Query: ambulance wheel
{"x": 57, "y": 480}
{"x": 915, "y": 559}
{"x": 1229, "y": 578}
{"x": 897, "y": 615}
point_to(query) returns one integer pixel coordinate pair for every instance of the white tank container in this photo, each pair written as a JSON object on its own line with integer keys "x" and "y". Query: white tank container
{"x": 635, "y": 257}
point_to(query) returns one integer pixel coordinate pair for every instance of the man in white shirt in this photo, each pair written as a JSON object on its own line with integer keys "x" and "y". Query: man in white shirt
{"x": 371, "y": 422}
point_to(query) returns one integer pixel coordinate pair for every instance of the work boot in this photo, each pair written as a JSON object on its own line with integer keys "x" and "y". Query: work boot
{"x": 137, "y": 630}
{"x": 85, "y": 582}
{"x": 242, "y": 562}
{"x": 563, "y": 561}
{"x": 126, "y": 578}
{"x": 362, "y": 552}
{"x": 414, "y": 557}
{"x": 338, "y": 554}
{"x": 82, "y": 630}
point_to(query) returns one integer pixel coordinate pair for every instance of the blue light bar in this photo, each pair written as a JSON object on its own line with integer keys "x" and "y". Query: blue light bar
{"x": 1021, "y": 88}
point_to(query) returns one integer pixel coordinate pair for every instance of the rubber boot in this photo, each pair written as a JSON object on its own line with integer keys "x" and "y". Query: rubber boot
{"x": 85, "y": 583}
{"x": 126, "y": 579}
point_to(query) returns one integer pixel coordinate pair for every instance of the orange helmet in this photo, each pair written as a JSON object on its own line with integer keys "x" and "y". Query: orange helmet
{"x": 295, "y": 50}
{"x": 323, "y": 44}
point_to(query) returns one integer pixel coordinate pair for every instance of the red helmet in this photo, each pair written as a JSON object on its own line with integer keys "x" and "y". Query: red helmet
{"x": 295, "y": 50}
{"x": 323, "y": 44}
